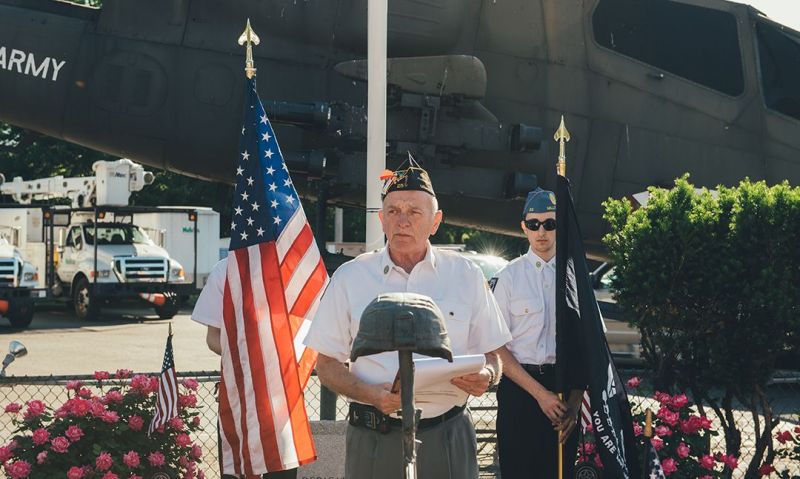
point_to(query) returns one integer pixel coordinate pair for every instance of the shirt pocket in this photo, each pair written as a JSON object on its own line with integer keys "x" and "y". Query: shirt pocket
{"x": 527, "y": 315}
{"x": 457, "y": 318}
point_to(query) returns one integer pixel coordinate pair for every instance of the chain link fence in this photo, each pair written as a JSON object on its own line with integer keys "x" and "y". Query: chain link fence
{"x": 784, "y": 395}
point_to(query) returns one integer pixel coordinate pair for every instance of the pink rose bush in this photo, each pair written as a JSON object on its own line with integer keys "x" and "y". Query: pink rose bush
{"x": 680, "y": 436}
{"x": 100, "y": 432}
{"x": 787, "y": 450}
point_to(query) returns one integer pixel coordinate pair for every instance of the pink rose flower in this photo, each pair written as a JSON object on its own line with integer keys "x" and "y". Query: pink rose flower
{"x": 153, "y": 386}
{"x": 783, "y": 437}
{"x": 100, "y": 375}
{"x": 187, "y": 400}
{"x": 691, "y": 425}
{"x": 657, "y": 443}
{"x": 706, "y": 477}
{"x": 705, "y": 422}
{"x": 75, "y": 472}
{"x": 84, "y": 393}
{"x": 765, "y": 470}
{"x": 668, "y": 465}
{"x": 730, "y": 461}
{"x": 183, "y": 440}
{"x": 589, "y": 427}
{"x": 113, "y": 397}
{"x": 637, "y": 429}
{"x": 98, "y": 409}
{"x": 634, "y": 382}
{"x": 707, "y": 462}
{"x": 109, "y": 475}
{"x": 176, "y": 423}
{"x": 6, "y": 452}
{"x": 588, "y": 448}
{"x": 683, "y": 450}
{"x": 79, "y": 406}
{"x": 664, "y": 431}
{"x": 190, "y": 383}
{"x": 663, "y": 398}
{"x": 41, "y": 457}
{"x": 59, "y": 444}
{"x": 104, "y": 461}
{"x": 13, "y": 408}
{"x": 156, "y": 459}
{"x": 35, "y": 409}
{"x": 123, "y": 373}
{"x": 678, "y": 401}
{"x": 18, "y": 469}
{"x": 74, "y": 433}
{"x": 197, "y": 451}
{"x": 670, "y": 417}
{"x": 40, "y": 436}
{"x": 202, "y": 475}
{"x": 110, "y": 417}
{"x": 597, "y": 461}
{"x": 73, "y": 385}
{"x": 131, "y": 459}
{"x": 135, "y": 423}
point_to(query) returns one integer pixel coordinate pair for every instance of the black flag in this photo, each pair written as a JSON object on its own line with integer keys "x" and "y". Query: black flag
{"x": 582, "y": 354}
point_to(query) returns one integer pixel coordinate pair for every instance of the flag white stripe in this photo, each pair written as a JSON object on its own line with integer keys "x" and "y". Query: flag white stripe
{"x": 253, "y": 430}
{"x": 302, "y": 272}
{"x": 272, "y": 365}
{"x": 290, "y": 233}
{"x": 233, "y": 400}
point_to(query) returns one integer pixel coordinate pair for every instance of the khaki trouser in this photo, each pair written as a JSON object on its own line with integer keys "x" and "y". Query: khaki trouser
{"x": 447, "y": 451}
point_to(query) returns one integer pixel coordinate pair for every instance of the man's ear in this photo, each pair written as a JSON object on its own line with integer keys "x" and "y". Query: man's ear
{"x": 380, "y": 215}
{"x": 437, "y": 221}
{"x": 522, "y": 226}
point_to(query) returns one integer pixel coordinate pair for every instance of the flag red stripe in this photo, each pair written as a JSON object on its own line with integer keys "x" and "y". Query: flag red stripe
{"x": 240, "y": 450}
{"x": 307, "y": 296}
{"x": 306, "y": 365}
{"x": 284, "y": 343}
{"x": 226, "y": 423}
{"x": 296, "y": 253}
{"x": 261, "y": 391}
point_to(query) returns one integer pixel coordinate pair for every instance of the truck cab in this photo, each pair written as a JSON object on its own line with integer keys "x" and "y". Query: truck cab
{"x": 18, "y": 281}
{"x": 128, "y": 263}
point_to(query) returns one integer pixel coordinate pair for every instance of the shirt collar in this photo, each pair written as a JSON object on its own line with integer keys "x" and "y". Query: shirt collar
{"x": 387, "y": 265}
{"x": 538, "y": 262}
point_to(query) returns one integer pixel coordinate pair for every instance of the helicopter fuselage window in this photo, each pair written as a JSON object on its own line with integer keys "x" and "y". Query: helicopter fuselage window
{"x": 696, "y": 43}
{"x": 779, "y": 59}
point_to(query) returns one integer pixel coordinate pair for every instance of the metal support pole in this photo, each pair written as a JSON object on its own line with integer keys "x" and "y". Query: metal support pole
{"x": 377, "y": 24}
{"x": 338, "y": 225}
{"x": 409, "y": 414}
{"x": 327, "y": 406}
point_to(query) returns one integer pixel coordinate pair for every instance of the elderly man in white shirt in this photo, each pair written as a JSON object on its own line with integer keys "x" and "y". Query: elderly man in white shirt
{"x": 408, "y": 263}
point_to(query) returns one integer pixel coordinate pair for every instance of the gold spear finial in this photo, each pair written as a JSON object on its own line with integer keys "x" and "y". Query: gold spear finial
{"x": 249, "y": 37}
{"x": 648, "y": 424}
{"x": 562, "y": 136}
{"x": 170, "y": 328}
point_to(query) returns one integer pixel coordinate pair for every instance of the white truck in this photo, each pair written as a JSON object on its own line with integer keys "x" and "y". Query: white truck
{"x": 103, "y": 255}
{"x": 20, "y": 284}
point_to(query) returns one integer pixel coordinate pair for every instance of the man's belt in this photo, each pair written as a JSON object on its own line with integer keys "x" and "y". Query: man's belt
{"x": 369, "y": 417}
{"x": 538, "y": 369}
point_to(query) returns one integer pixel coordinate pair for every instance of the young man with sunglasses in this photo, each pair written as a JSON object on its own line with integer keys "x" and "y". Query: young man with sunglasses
{"x": 531, "y": 419}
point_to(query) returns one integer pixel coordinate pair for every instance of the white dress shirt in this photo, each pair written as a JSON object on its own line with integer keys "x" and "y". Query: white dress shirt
{"x": 525, "y": 292}
{"x": 473, "y": 321}
{"x": 208, "y": 308}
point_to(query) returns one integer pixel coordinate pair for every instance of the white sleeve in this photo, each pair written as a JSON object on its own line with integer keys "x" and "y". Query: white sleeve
{"x": 208, "y": 308}
{"x": 330, "y": 329}
{"x": 502, "y": 283}
{"x": 487, "y": 330}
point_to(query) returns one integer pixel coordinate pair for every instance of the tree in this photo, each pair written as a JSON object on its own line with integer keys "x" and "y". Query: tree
{"x": 709, "y": 280}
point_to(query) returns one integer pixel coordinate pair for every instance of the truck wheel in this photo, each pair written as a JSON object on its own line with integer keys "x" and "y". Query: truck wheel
{"x": 169, "y": 309}
{"x": 86, "y": 307}
{"x": 20, "y": 313}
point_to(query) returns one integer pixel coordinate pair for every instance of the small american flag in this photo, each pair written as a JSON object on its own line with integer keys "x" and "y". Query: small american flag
{"x": 586, "y": 410}
{"x": 654, "y": 469}
{"x": 275, "y": 277}
{"x": 167, "y": 394}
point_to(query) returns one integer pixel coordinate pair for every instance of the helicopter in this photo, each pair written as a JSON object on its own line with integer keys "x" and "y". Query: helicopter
{"x": 475, "y": 88}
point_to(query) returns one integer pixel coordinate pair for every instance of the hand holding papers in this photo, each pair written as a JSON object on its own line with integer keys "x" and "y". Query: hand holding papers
{"x": 432, "y": 377}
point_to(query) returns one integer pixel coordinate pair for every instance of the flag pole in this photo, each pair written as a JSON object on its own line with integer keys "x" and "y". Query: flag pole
{"x": 377, "y": 25}
{"x": 561, "y": 136}
{"x": 648, "y": 433}
{"x": 170, "y": 328}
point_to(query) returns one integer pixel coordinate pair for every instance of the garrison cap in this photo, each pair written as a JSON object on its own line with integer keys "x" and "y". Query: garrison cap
{"x": 539, "y": 201}
{"x": 411, "y": 178}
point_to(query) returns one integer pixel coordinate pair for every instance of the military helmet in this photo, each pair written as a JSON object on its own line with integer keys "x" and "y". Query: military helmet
{"x": 402, "y": 322}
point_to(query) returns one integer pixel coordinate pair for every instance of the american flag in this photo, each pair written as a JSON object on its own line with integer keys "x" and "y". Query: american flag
{"x": 654, "y": 470}
{"x": 586, "y": 410}
{"x": 275, "y": 277}
{"x": 167, "y": 395}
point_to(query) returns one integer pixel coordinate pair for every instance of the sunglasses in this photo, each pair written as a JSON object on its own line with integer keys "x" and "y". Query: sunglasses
{"x": 534, "y": 224}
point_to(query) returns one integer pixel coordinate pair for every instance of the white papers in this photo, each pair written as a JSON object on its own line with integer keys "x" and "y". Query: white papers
{"x": 432, "y": 377}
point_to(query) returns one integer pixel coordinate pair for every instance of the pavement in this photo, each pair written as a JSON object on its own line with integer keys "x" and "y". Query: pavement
{"x": 130, "y": 338}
